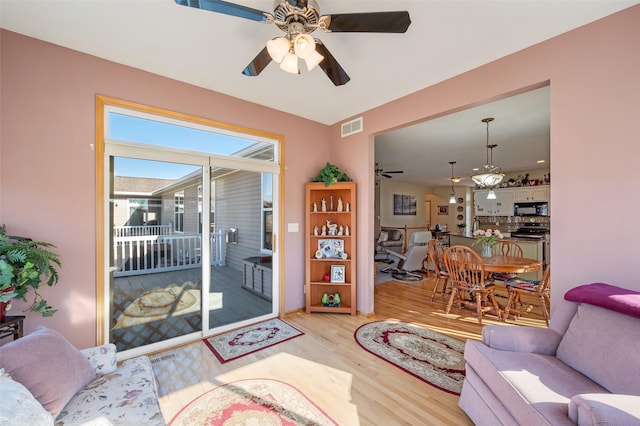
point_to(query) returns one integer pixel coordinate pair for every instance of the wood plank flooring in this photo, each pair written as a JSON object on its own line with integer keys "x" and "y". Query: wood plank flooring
{"x": 351, "y": 385}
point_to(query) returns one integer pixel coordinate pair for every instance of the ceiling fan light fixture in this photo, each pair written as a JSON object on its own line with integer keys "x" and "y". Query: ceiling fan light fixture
{"x": 278, "y": 48}
{"x": 304, "y": 45}
{"x": 491, "y": 195}
{"x": 313, "y": 60}
{"x": 290, "y": 63}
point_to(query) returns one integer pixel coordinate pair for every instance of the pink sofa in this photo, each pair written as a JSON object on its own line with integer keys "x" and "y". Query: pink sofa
{"x": 584, "y": 369}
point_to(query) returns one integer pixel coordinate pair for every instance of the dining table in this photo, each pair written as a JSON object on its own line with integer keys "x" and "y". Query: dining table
{"x": 510, "y": 264}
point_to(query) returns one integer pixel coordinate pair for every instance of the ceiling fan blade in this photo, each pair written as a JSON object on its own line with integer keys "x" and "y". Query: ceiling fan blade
{"x": 370, "y": 22}
{"x": 227, "y": 8}
{"x": 258, "y": 64}
{"x": 386, "y": 175}
{"x": 330, "y": 66}
{"x": 394, "y": 171}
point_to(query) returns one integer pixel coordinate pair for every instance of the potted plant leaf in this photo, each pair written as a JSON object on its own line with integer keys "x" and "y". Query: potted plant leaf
{"x": 26, "y": 265}
{"x": 331, "y": 173}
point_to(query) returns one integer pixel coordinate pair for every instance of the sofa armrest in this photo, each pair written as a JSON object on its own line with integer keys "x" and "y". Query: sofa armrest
{"x": 102, "y": 358}
{"x": 605, "y": 409}
{"x": 521, "y": 339}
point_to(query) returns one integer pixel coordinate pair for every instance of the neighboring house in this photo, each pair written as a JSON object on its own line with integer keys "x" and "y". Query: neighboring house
{"x": 135, "y": 202}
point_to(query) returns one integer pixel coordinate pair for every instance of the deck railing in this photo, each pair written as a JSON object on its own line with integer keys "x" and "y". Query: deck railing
{"x": 136, "y": 231}
{"x": 146, "y": 254}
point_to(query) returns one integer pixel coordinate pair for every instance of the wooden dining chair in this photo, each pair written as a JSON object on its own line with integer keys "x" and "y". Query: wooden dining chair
{"x": 508, "y": 248}
{"x": 538, "y": 290}
{"x": 467, "y": 276}
{"x": 435, "y": 257}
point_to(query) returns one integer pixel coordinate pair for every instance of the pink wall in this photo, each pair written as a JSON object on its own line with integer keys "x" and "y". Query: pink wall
{"x": 594, "y": 73}
{"x": 47, "y": 121}
{"x": 47, "y": 168}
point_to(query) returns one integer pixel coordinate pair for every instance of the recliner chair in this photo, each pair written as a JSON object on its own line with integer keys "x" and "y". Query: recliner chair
{"x": 392, "y": 239}
{"x": 413, "y": 260}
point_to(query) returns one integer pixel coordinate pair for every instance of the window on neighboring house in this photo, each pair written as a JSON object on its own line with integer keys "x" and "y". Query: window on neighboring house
{"x": 138, "y": 212}
{"x": 178, "y": 211}
{"x": 267, "y": 212}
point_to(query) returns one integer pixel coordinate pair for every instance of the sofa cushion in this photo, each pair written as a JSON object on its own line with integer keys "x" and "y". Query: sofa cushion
{"x": 18, "y": 406}
{"x": 605, "y": 409}
{"x": 127, "y": 396}
{"x": 102, "y": 358}
{"x": 604, "y": 346}
{"x": 48, "y": 365}
{"x": 535, "y": 388}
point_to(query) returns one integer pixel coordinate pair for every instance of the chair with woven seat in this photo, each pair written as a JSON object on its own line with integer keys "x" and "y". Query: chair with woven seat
{"x": 540, "y": 290}
{"x": 435, "y": 257}
{"x": 467, "y": 276}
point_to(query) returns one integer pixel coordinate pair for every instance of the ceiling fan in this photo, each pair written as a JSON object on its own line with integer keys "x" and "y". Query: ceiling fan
{"x": 299, "y": 18}
{"x": 385, "y": 173}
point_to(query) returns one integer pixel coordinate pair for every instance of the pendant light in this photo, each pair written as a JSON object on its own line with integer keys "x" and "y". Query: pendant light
{"x": 488, "y": 176}
{"x": 452, "y": 200}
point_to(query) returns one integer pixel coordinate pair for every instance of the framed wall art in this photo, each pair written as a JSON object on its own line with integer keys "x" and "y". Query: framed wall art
{"x": 404, "y": 205}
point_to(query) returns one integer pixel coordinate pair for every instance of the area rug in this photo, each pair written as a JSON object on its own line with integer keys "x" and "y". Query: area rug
{"x": 432, "y": 357}
{"x": 252, "y": 402}
{"x": 243, "y": 341}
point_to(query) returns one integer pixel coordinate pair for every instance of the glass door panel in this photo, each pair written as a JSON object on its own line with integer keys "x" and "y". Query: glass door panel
{"x": 156, "y": 268}
{"x": 242, "y": 272}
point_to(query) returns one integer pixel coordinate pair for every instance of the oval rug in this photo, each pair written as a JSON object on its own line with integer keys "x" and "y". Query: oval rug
{"x": 252, "y": 402}
{"x": 430, "y": 356}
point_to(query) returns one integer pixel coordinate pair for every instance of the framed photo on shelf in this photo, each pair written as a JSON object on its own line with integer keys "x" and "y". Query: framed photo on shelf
{"x": 337, "y": 273}
{"x": 331, "y": 248}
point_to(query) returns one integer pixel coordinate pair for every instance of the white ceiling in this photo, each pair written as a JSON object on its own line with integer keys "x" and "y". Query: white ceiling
{"x": 445, "y": 38}
{"x": 423, "y": 151}
{"x": 210, "y": 50}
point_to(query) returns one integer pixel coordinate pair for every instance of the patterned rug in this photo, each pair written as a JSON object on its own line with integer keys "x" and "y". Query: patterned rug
{"x": 243, "y": 341}
{"x": 432, "y": 357}
{"x": 252, "y": 402}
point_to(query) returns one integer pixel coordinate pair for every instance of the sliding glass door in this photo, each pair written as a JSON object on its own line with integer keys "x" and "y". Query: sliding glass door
{"x": 190, "y": 231}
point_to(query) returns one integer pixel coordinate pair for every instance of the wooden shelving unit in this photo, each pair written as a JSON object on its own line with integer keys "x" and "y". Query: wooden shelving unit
{"x": 318, "y": 267}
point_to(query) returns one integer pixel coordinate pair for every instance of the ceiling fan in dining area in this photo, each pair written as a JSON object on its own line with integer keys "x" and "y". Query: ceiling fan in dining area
{"x": 385, "y": 173}
{"x": 298, "y": 19}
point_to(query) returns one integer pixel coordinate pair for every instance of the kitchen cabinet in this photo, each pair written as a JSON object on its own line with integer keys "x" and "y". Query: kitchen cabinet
{"x": 532, "y": 194}
{"x": 330, "y": 251}
{"x": 501, "y": 206}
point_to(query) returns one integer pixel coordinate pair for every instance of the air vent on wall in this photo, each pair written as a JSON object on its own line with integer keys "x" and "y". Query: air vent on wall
{"x": 351, "y": 127}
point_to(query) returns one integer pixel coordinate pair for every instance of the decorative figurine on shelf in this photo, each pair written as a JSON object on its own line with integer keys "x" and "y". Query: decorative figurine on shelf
{"x": 341, "y": 230}
{"x": 333, "y": 227}
{"x": 348, "y": 209}
{"x": 324, "y": 204}
{"x": 330, "y": 203}
{"x": 315, "y": 207}
{"x": 324, "y": 230}
{"x": 347, "y": 232}
{"x": 339, "y": 204}
{"x": 315, "y": 230}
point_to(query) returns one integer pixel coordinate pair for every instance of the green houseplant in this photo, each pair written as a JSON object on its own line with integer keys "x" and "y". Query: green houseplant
{"x": 26, "y": 265}
{"x": 329, "y": 174}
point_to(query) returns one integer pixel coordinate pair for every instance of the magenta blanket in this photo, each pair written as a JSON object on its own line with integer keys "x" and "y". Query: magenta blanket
{"x": 608, "y": 297}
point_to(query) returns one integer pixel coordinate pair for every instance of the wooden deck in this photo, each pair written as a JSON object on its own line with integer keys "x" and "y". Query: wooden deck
{"x": 229, "y": 302}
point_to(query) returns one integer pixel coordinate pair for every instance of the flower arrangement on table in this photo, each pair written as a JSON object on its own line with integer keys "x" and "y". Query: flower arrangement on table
{"x": 487, "y": 237}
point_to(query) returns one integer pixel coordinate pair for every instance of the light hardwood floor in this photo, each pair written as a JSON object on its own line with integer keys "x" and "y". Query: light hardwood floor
{"x": 351, "y": 385}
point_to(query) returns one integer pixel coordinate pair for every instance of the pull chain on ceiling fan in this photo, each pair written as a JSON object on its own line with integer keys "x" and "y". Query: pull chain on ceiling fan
{"x": 299, "y": 18}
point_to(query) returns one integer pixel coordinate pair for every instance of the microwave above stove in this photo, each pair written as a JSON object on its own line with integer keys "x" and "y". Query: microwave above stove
{"x": 531, "y": 209}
